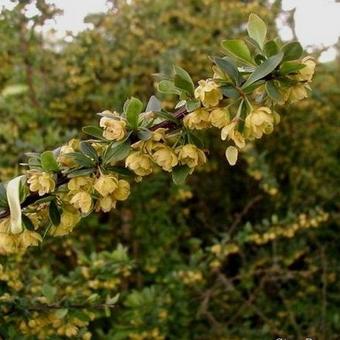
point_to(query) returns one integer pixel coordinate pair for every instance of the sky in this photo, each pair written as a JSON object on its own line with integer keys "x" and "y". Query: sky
{"x": 317, "y": 21}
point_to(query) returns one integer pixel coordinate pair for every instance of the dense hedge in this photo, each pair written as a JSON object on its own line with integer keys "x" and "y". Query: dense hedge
{"x": 244, "y": 252}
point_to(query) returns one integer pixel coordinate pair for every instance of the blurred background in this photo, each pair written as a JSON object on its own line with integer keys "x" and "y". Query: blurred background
{"x": 244, "y": 252}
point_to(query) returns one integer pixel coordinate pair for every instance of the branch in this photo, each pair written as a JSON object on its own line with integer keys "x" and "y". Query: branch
{"x": 62, "y": 179}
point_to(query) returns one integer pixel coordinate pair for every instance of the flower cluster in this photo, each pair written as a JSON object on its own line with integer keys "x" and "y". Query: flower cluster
{"x": 63, "y": 185}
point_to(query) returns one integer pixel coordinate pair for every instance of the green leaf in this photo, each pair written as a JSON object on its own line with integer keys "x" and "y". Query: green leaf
{"x": 54, "y": 213}
{"x": 3, "y": 196}
{"x": 290, "y": 67}
{"x": 257, "y": 29}
{"x": 132, "y": 108}
{"x": 271, "y": 48}
{"x": 27, "y": 222}
{"x": 259, "y": 59}
{"x": 229, "y": 68}
{"x": 48, "y": 161}
{"x": 183, "y": 80}
{"x": 144, "y": 134}
{"x": 120, "y": 170}
{"x": 168, "y": 87}
{"x": 230, "y": 91}
{"x": 81, "y": 159}
{"x": 292, "y": 51}
{"x": 167, "y": 116}
{"x": 254, "y": 86}
{"x": 88, "y": 150}
{"x": 272, "y": 91}
{"x": 180, "y": 173}
{"x": 192, "y": 105}
{"x": 93, "y": 131}
{"x": 80, "y": 172}
{"x": 238, "y": 49}
{"x": 116, "y": 151}
{"x": 264, "y": 69}
{"x": 61, "y": 313}
{"x": 49, "y": 292}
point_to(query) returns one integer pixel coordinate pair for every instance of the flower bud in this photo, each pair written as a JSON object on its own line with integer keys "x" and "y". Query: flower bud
{"x": 139, "y": 163}
{"x": 208, "y": 93}
{"x": 42, "y": 182}
{"x": 165, "y": 157}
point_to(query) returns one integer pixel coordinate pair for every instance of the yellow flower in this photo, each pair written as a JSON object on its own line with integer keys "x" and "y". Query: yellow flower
{"x": 106, "y": 203}
{"x": 123, "y": 190}
{"x": 83, "y": 183}
{"x": 231, "y": 154}
{"x": 306, "y": 73}
{"x": 139, "y": 163}
{"x": 106, "y": 184}
{"x": 114, "y": 129}
{"x": 42, "y": 182}
{"x": 231, "y": 132}
{"x": 28, "y": 238}
{"x": 151, "y": 144}
{"x": 260, "y": 121}
{"x": 296, "y": 93}
{"x": 165, "y": 157}
{"x": 198, "y": 119}
{"x": 208, "y": 93}
{"x": 68, "y": 220}
{"x": 219, "y": 117}
{"x": 191, "y": 155}
{"x": 82, "y": 201}
{"x": 65, "y": 160}
{"x": 7, "y": 240}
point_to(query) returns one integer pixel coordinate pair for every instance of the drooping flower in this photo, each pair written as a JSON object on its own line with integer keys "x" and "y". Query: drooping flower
{"x": 165, "y": 157}
{"x": 139, "y": 163}
{"x": 198, "y": 119}
{"x": 82, "y": 200}
{"x": 259, "y": 122}
{"x": 81, "y": 183}
{"x": 68, "y": 220}
{"x": 114, "y": 129}
{"x": 41, "y": 182}
{"x": 306, "y": 73}
{"x": 123, "y": 190}
{"x": 296, "y": 93}
{"x": 219, "y": 117}
{"x": 106, "y": 184}
{"x": 230, "y": 132}
{"x": 191, "y": 155}
{"x": 208, "y": 93}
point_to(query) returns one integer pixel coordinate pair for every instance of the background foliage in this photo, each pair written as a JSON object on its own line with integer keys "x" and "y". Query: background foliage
{"x": 248, "y": 252}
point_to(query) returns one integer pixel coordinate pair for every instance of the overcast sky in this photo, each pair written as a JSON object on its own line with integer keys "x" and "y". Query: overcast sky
{"x": 317, "y": 21}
